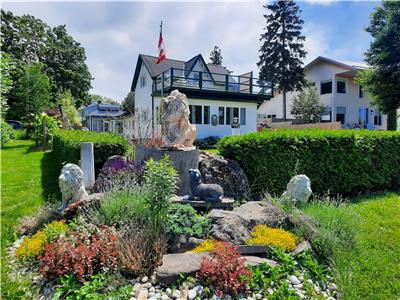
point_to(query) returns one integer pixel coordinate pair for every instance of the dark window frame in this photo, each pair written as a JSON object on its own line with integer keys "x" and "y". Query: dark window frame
{"x": 322, "y": 89}
{"x": 341, "y": 91}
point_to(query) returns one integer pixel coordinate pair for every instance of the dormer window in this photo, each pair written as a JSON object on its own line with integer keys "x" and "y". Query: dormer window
{"x": 142, "y": 81}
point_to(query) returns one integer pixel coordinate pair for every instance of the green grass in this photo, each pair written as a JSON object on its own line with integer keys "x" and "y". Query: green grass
{"x": 366, "y": 245}
{"x": 28, "y": 180}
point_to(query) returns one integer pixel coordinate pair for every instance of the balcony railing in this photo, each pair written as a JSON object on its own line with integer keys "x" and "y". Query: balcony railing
{"x": 238, "y": 84}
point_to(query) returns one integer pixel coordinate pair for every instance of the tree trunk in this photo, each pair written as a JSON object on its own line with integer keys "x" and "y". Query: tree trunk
{"x": 392, "y": 120}
{"x": 284, "y": 104}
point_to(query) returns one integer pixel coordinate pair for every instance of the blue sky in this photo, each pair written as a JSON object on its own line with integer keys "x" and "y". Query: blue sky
{"x": 114, "y": 33}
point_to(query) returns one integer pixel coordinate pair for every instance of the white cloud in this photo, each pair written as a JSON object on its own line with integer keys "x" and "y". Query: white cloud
{"x": 320, "y": 2}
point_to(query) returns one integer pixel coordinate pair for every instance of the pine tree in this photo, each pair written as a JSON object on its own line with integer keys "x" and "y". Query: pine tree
{"x": 282, "y": 50}
{"x": 306, "y": 106}
{"x": 216, "y": 56}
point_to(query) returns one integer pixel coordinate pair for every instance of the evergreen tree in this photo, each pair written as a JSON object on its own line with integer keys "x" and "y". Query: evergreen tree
{"x": 382, "y": 80}
{"x": 282, "y": 50}
{"x": 216, "y": 56}
{"x": 306, "y": 106}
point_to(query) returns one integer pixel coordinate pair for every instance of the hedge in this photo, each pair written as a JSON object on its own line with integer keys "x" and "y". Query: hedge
{"x": 345, "y": 162}
{"x": 67, "y": 143}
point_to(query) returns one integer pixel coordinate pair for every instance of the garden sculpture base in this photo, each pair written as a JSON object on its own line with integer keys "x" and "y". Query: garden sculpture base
{"x": 226, "y": 203}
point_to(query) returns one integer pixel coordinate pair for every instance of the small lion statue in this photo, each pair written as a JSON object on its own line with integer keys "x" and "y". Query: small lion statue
{"x": 71, "y": 185}
{"x": 176, "y": 130}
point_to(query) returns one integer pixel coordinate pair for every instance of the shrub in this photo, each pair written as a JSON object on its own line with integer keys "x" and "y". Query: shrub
{"x": 80, "y": 255}
{"x": 206, "y": 246}
{"x": 67, "y": 145}
{"x": 44, "y": 129}
{"x": 183, "y": 219}
{"x": 207, "y": 143}
{"x": 225, "y": 270}
{"x": 7, "y": 132}
{"x": 264, "y": 235}
{"x": 336, "y": 161}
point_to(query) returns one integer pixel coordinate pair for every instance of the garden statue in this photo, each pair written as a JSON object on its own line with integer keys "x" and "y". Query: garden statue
{"x": 176, "y": 130}
{"x": 298, "y": 189}
{"x": 71, "y": 185}
{"x": 202, "y": 191}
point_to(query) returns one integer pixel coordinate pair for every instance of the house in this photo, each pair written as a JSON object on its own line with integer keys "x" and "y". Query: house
{"x": 345, "y": 100}
{"x": 107, "y": 118}
{"x": 216, "y": 97}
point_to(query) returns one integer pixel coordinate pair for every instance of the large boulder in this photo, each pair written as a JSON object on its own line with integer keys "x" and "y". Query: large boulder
{"x": 235, "y": 226}
{"x": 298, "y": 189}
{"x": 226, "y": 173}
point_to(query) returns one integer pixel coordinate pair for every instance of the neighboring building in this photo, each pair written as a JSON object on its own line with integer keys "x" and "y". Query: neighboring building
{"x": 215, "y": 96}
{"x": 107, "y": 118}
{"x": 345, "y": 100}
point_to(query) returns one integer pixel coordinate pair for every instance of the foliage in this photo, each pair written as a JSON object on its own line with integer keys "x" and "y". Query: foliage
{"x": 54, "y": 229}
{"x": 225, "y": 270}
{"x": 80, "y": 254}
{"x": 282, "y": 50}
{"x": 7, "y": 68}
{"x": 129, "y": 102}
{"x": 206, "y": 246}
{"x": 306, "y": 106}
{"x": 67, "y": 145}
{"x": 336, "y": 161}
{"x": 183, "y": 219}
{"x": 30, "y": 40}
{"x": 264, "y": 235}
{"x": 7, "y": 132}
{"x": 96, "y": 288}
{"x": 160, "y": 181}
{"x": 67, "y": 103}
{"x": 381, "y": 81}
{"x": 216, "y": 56}
{"x": 32, "y": 91}
{"x": 207, "y": 143}
{"x": 44, "y": 129}
{"x": 95, "y": 98}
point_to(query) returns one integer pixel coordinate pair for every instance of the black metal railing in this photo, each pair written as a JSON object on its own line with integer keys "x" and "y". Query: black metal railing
{"x": 241, "y": 84}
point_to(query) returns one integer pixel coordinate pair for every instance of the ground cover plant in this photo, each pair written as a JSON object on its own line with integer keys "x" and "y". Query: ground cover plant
{"x": 336, "y": 161}
{"x": 277, "y": 237}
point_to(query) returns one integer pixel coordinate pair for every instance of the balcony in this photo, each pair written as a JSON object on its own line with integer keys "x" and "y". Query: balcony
{"x": 213, "y": 85}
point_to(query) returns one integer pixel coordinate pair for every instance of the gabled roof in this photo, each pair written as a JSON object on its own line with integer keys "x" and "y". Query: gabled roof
{"x": 344, "y": 64}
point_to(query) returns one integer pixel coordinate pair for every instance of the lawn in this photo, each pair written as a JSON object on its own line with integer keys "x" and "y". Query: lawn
{"x": 369, "y": 267}
{"x": 28, "y": 179}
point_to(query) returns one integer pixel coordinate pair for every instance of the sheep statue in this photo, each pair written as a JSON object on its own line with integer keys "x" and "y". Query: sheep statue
{"x": 71, "y": 185}
{"x": 202, "y": 191}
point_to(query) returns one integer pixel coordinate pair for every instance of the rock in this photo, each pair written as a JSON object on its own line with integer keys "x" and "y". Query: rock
{"x": 192, "y": 294}
{"x": 235, "y": 226}
{"x": 164, "y": 297}
{"x": 225, "y": 172}
{"x": 258, "y": 296}
{"x": 142, "y": 294}
{"x": 252, "y": 249}
{"x": 144, "y": 279}
{"x": 255, "y": 260}
{"x": 294, "y": 280}
{"x": 168, "y": 291}
{"x": 152, "y": 289}
{"x": 146, "y": 285}
{"x": 183, "y": 243}
{"x": 174, "y": 264}
{"x": 176, "y": 294}
{"x": 303, "y": 246}
{"x": 298, "y": 189}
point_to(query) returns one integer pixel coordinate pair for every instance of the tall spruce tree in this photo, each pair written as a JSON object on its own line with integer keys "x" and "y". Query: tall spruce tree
{"x": 382, "y": 80}
{"x": 216, "y": 56}
{"x": 282, "y": 51}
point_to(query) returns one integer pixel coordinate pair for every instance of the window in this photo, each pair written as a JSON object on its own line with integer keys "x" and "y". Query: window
{"x": 340, "y": 86}
{"x": 326, "y": 87}
{"x": 273, "y": 116}
{"x": 143, "y": 81}
{"x": 327, "y": 115}
{"x": 360, "y": 91}
{"x": 340, "y": 114}
{"x": 242, "y": 116}
{"x": 195, "y": 114}
{"x": 206, "y": 116}
{"x": 228, "y": 115}
{"x": 221, "y": 115}
{"x": 377, "y": 118}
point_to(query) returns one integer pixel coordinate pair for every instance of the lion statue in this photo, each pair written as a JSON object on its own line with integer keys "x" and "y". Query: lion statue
{"x": 176, "y": 130}
{"x": 71, "y": 185}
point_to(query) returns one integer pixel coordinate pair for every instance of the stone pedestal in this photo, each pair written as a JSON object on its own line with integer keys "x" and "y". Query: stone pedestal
{"x": 87, "y": 165}
{"x": 182, "y": 160}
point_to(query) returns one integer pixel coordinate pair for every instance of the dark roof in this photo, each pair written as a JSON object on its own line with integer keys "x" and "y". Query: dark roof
{"x": 106, "y": 113}
{"x": 106, "y": 106}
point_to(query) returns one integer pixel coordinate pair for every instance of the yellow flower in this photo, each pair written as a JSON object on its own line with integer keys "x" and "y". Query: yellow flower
{"x": 206, "y": 246}
{"x": 264, "y": 235}
{"x": 31, "y": 247}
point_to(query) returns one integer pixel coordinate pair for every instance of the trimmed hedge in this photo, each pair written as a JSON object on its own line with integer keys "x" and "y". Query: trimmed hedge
{"x": 345, "y": 162}
{"x": 67, "y": 145}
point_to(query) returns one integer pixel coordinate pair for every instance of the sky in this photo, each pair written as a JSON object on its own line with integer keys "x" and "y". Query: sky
{"x": 114, "y": 33}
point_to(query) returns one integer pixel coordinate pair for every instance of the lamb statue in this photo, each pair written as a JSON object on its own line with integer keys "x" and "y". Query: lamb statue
{"x": 202, "y": 191}
{"x": 71, "y": 185}
{"x": 176, "y": 130}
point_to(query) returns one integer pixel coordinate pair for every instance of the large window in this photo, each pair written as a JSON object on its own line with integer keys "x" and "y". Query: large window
{"x": 377, "y": 118}
{"x": 196, "y": 114}
{"x": 340, "y": 114}
{"x": 221, "y": 115}
{"x": 206, "y": 119}
{"x": 327, "y": 115}
{"x": 341, "y": 86}
{"x": 242, "y": 116}
{"x": 228, "y": 115}
{"x": 326, "y": 87}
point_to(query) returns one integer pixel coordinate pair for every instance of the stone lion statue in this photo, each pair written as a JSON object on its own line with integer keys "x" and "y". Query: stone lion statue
{"x": 176, "y": 129}
{"x": 71, "y": 185}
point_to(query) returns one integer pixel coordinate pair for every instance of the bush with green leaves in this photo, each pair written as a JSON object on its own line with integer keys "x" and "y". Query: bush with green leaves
{"x": 67, "y": 145}
{"x": 67, "y": 103}
{"x": 7, "y": 132}
{"x": 336, "y": 161}
{"x": 183, "y": 219}
{"x": 45, "y": 127}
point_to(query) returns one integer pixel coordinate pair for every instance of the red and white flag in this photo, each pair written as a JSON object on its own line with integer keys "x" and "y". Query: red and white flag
{"x": 161, "y": 48}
